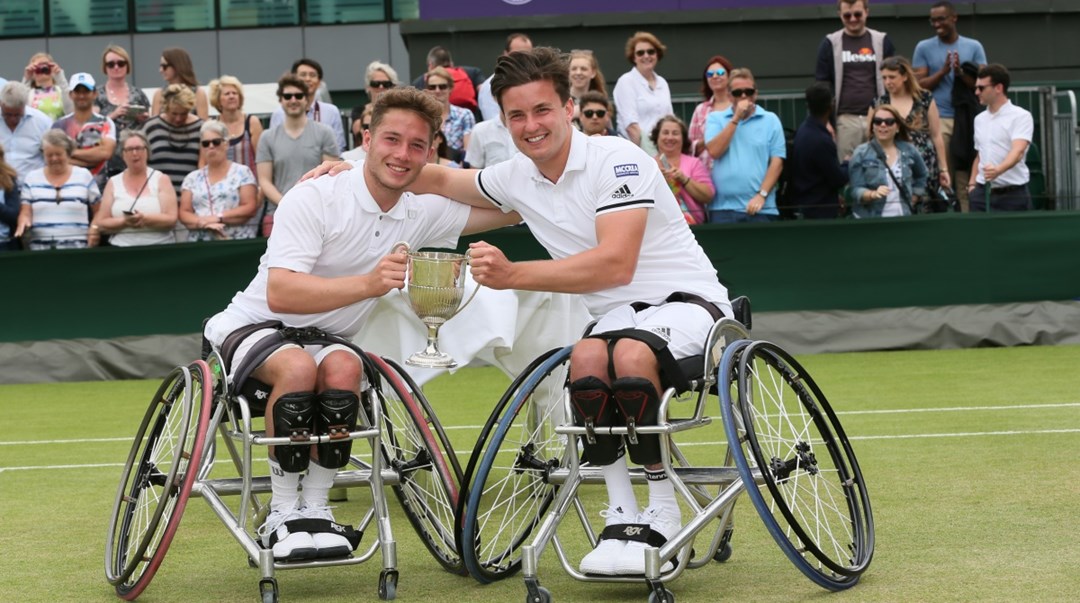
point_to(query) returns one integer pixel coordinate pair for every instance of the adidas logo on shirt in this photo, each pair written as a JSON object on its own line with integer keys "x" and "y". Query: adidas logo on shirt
{"x": 622, "y": 192}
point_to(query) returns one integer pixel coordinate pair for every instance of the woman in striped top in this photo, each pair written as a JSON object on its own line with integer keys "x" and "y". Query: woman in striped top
{"x": 174, "y": 136}
{"x": 58, "y": 200}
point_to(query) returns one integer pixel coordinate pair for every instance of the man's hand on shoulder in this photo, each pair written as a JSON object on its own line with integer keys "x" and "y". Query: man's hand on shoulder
{"x": 332, "y": 167}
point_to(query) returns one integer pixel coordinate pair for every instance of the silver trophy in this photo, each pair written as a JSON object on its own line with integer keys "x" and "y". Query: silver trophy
{"x": 434, "y": 287}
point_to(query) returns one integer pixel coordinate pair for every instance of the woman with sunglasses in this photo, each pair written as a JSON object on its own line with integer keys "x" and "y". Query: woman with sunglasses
{"x": 714, "y": 87}
{"x": 138, "y": 205}
{"x": 920, "y": 114}
{"x": 457, "y": 122}
{"x": 128, "y": 106}
{"x": 641, "y": 95}
{"x": 218, "y": 201}
{"x": 176, "y": 68}
{"x": 685, "y": 174}
{"x": 48, "y": 86}
{"x": 380, "y": 77}
{"x": 888, "y": 176}
{"x": 58, "y": 200}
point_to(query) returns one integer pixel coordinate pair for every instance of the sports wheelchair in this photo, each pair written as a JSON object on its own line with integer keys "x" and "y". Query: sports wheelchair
{"x": 174, "y": 454}
{"x": 784, "y": 448}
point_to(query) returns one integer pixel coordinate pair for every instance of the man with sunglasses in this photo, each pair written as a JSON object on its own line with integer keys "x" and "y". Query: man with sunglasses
{"x": 595, "y": 115}
{"x": 1003, "y": 134}
{"x": 849, "y": 60}
{"x": 311, "y": 73}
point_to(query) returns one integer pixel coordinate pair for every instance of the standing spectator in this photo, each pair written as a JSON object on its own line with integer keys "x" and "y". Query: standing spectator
{"x": 489, "y": 143}
{"x": 816, "y": 175}
{"x": 22, "y": 129}
{"x": 849, "y": 60}
{"x": 466, "y": 79}
{"x": 489, "y": 109}
{"x": 174, "y": 135}
{"x": 288, "y": 150}
{"x": 714, "y": 87}
{"x": 310, "y": 72}
{"x": 641, "y": 95}
{"x": 1002, "y": 137}
{"x": 920, "y": 113}
{"x": 380, "y": 77}
{"x": 747, "y": 144}
{"x": 457, "y": 122}
{"x": 937, "y": 62}
{"x": 176, "y": 68}
{"x": 227, "y": 96}
{"x": 127, "y": 105}
{"x": 595, "y": 114}
{"x": 887, "y": 173}
{"x": 585, "y": 76}
{"x": 218, "y": 200}
{"x": 138, "y": 205}
{"x": 9, "y": 204}
{"x": 686, "y": 176}
{"x": 48, "y": 86}
{"x": 94, "y": 133}
{"x": 58, "y": 200}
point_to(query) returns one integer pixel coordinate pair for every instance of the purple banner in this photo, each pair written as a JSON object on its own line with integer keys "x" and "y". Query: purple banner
{"x": 470, "y": 9}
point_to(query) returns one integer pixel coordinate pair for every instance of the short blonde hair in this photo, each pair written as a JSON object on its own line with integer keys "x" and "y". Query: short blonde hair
{"x": 179, "y": 95}
{"x": 113, "y": 48}
{"x": 440, "y": 72}
{"x": 215, "y": 90}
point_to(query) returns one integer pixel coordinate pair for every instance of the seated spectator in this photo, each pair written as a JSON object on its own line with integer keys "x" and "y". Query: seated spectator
{"x": 489, "y": 143}
{"x": 585, "y": 76}
{"x": 22, "y": 129}
{"x": 58, "y": 200}
{"x": 442, "y": 151}
{"x": 815, "y": 174}
{"x": 176, "y": 69}
{"x": 94, "y": 133}
{"x": 685, "y": 174}
{"x": 641, "y": 95}
{"x": 380, "y": 77}
{"x": 48, "y": 86}
{"x": 457, "y": 122}
{"x": 174, "y": 135}
{"x": 310, "y": 72}
{"x": 127, "y": 105}
{"x": 218, "y": 201}
{"x": 9, "y": 205}
{"x": 138, "y": 205}
{"x": 714, "y": 87}
{"x": 363, "y": 124}
{"x": 489, "y": 107}
{"x": 227, "y": 96}
{"x": 595, "y": 114}
{"x": 888, "y": 176}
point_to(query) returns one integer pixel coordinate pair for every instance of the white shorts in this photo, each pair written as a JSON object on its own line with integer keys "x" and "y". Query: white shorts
{"x": 318, "y": 352}
{"x": 684, "y": 326}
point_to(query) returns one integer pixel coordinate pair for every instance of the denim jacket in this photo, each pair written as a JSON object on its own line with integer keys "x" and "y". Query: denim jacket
{"x": 868, "y": 171}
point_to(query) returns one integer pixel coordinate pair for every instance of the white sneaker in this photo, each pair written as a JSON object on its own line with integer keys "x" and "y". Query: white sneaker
{"x": 666, "y": 522}
{"x": 601, "y": 560}
{"x": 287, "y": 546}
{"x": 328, "y": 544}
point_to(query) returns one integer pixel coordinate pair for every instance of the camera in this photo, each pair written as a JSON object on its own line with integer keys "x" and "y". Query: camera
{"x": 43, "y": 69}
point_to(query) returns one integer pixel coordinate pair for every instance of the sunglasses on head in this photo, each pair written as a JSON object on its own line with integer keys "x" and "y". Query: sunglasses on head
{"x": 645, "y": 51}
{"x": 293, "y": 95}
{"x": 115, "y": 64}
{"x": 213, "y": 142}
{"x": 858, "y": 14}
{"x": 741, "y": 92}
{"x": 715, "y": 72}
{"x": 591, "y": 113}
{"x": 884, "y": 121}
{"x": 381, "y": 84}
{"x": 438, "y": 86}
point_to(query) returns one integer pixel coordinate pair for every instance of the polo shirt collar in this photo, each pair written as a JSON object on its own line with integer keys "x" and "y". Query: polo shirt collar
{"x": 758, "y": 111}
{"x": 574, "y": 162}
{"x": 367, "y": 202}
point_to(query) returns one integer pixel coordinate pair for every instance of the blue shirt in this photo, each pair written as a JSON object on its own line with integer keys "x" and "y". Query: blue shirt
{"x": 739, "y": 173}
{"x": 931, "y": 53}
{"x": 22, "y": 147}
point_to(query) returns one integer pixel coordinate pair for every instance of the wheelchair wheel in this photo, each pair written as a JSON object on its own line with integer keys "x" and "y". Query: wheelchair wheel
{"x": 809, "y": 489}
{"x": 157, "y": 479}
{"x": 508, "y": 489}
{"x": 415, "y": 445}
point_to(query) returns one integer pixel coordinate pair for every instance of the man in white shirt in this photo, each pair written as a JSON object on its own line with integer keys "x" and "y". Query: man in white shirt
{"x": 22, "y": 129}
{"x": 489, "y": 143}
{"x": 489, "y": 109}
{"x": 1002, "y": 136}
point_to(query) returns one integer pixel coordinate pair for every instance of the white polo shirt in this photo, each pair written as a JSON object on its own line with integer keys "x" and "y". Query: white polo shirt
{"x": 994, "y": 135}
{"x": 332, "y": 227}
{"x": 489, "y": 143}
{"x": 606, "y": 174}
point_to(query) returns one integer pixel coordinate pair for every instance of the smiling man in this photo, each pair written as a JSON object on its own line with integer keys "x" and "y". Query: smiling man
{"x": 329, "y": 260}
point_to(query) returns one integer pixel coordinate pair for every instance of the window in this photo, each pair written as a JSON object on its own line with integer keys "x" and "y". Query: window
{"x": 259, "y": 13}
{"x": 326, "y": 12}
{"x": 87, "y": 16}
{"x": 22, "y": 18}
{"x": 406, "y": 9}
{"x": 173, "y": 15}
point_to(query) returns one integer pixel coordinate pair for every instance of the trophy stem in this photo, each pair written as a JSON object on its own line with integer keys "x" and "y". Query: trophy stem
{"x": 431, "y": 357}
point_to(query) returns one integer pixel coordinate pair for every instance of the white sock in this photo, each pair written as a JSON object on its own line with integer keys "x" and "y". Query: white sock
{"x": 620, "y": 490}
{"x": 317, "y": 484}
{"x": 283, "y": 486}
{"x": 661, "y": 490}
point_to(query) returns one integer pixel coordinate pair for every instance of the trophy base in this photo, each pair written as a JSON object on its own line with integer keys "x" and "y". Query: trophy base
{"x": 428, "y": 360}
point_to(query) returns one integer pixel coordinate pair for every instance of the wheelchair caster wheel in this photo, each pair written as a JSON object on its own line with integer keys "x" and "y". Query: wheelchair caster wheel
{"x": 268, "y": 590}
{"x": 388, "y": 585}
{"x": 661, "y": 595}
{"x": 723, "y": 553}
{"x": 537, "y": 593}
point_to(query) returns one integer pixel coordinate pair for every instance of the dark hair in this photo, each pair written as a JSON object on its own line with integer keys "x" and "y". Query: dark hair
{"x": 290, "y": 80}
{"x": 180, "y": 61}
{"x": 948, "y": 6}
{"x": 655, "y": 134}
{"x": 439, "y": 57}
{"x": 706, "y": 91}
{"x": 998, "y": 74}
{"x": 409, "y": 99}
{"x": 539, "y": 64}
{"x": 515, "y": 36}
{"x": 310, "y": 63}
{"x": 594, "y": 97}
{"x": 819, "y": 99}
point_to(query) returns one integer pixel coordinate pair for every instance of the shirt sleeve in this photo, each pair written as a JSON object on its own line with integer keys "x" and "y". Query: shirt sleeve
{"x": 715, "y": 123}
{"x": 110, "y": 129}
{"x": 626, "y": 179}
{"x": 980, "y": 53}
{"x": 298, "y": 227}
{"x": 329, "y": 145}
{"x": 625, "y": 103}
{"x": 189, "y": 181}
{"x": 494, "y": 181}
{"x": 263, "y": 152}
{"x": 246, "y": 177}
{"x": 1024, "y": 127}
{"x": 698, "y": 173}
{"x": 339, "y": 132}
{"x": 777, "y": 143}
{"x": 919, "y": 60}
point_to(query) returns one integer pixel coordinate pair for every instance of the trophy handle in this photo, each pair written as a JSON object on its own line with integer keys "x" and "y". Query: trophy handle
{"x": 468, "y": 258}
{"x": 403, "y": 247}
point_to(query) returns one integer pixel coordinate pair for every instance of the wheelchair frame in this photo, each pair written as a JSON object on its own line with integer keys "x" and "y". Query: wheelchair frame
{"x": 175, "y": 448}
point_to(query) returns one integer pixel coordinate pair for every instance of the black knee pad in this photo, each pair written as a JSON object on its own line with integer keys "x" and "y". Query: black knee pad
{"x": 335, "y": 416}
{"x": 639, "y": 404}
{"x": 294, "y": 415}
{"x": 590, "y": 399}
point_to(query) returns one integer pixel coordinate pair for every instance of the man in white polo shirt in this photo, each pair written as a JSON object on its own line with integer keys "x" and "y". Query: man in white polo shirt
{"x": 1002, "y": 136}
{"x": 328, "y": 261}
